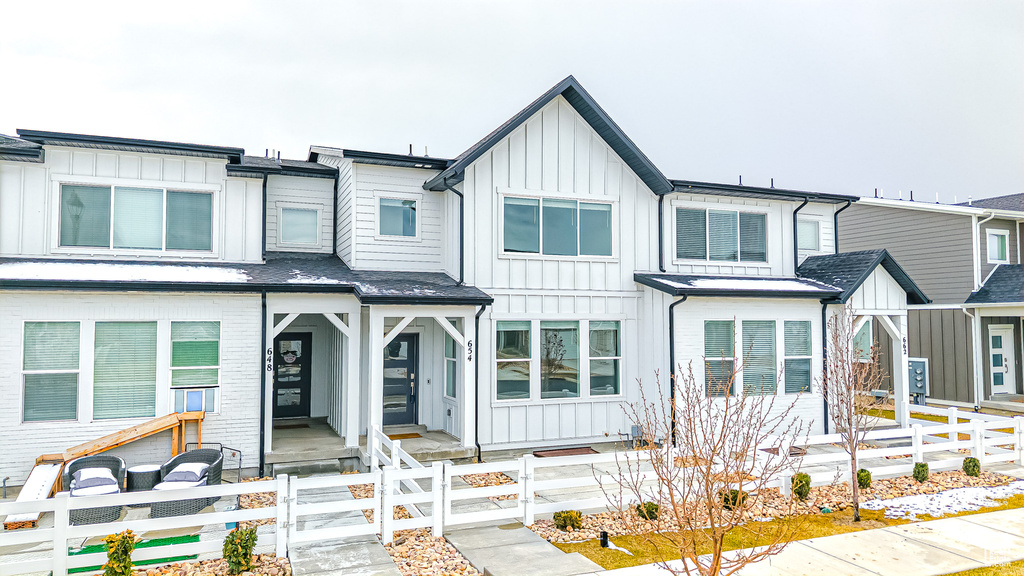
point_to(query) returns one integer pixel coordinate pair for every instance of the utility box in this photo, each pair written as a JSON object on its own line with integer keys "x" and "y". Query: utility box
{"x": 917, "y": 379}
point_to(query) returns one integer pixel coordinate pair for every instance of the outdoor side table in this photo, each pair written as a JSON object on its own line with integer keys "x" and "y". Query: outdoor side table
{"x": 143, "y": 477}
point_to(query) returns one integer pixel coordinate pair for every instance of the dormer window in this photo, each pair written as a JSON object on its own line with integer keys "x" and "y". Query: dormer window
{"x": 998, "y": 243}
{"x": 129, "y": 218}
{"x": 721, "y": 235}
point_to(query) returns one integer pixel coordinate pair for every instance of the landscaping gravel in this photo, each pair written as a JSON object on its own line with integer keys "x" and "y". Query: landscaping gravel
{"x": 491, "y": 479}
{"x": 417, "y": 553}
{"x": 263, "y": 565}
{"x": 257, "y": 500}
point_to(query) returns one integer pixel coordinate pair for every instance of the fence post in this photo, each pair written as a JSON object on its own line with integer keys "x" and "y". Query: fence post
{"x": 60, "y": 533}
{"x": 787, "y": 484}
{"x": 286, "y": 493}
{"x": 374, "y": 444}
{"x": 396, "y": 453}
{"x": 448, "y": 491}
{"x": 1018, "y": 439}
{"x": 387, "y": 516}
{"x": 437, "y": 509}
{"x": 978, "y": 440}
{"x": 378, "y": 493}
{"x": 526, "y": 468}
{"x": 918, "y": 443}
{"x": 953, "y": 419}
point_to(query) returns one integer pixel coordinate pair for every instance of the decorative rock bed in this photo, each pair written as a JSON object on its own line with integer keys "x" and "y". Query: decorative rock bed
{"x": 491, "y": 479}
{"x": 417, "y": 553}
{"x": 263, "y": 565}
{"x": 257, "y": 500}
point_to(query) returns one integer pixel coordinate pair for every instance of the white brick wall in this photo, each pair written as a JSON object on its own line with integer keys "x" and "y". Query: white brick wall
{"x": 236, "y": 425}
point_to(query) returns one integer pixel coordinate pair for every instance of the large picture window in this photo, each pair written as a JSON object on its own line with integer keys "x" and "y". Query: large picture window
{"x": 129, "y": 218}
{"x": 557, "y": 227}
{"x": 50, "y": 368}
{"x": 124, "y": 374}
{"x": 721, "y": 235}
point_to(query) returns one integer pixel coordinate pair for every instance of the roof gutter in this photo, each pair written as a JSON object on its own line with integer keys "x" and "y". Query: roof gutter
{"x": 476, "y": 384}
{"x": 672, "y": 362}
{"x": 835, "y": 224}
{"x": 796, "y": 239}
{"x": 661, "y": 232}
{"x": 462, "y": 231}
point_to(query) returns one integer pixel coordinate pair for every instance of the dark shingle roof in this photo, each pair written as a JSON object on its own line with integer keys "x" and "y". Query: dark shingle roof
{"x": 848, "y": 270}
{"x": 1004, "y": 285}
{"x": 282, "y": 272}
{"x": 12, "y": 148}
{"x": 737, "y": 286}
{"x": 258, "y": 165}
{"x": 579, "y": 99}
{"x": 1008, "y": 202}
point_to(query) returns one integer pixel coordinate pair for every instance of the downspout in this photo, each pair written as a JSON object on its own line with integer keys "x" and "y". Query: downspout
{"x": 334, "y": 239}
{"x": 824, "y": 355}
{"x": 796, "y": 240}
{"x": 661, "y": 232}
{"x": 462, "y": 231}
{"x": 476, "y": 384}
{"x": 263, "y": 378}
{"x": 835, "y": 223}
{"x": 672, "y": 363}
{"x": 263, "y": 253}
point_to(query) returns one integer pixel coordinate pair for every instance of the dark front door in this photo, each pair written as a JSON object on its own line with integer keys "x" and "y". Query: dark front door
{"x": 400, "y": 360}
{"x": 292, "y": 367}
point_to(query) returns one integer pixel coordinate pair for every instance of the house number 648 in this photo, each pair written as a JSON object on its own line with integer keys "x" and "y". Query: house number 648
{"x": 270, "y": 359}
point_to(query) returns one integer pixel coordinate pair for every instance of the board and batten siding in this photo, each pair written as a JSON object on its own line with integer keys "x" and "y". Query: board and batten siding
{"x": 934, "y": 248}
{"x": 371, "y": 251}
{"x": 944, "y": 337}
{"x": 30, "y": 196}
{"x": 236, "y": 424}
{"x": 1012, "y": 244}
{"x": 302, "y": 193}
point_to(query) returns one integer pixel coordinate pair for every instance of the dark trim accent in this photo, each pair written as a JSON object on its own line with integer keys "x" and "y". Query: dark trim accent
{"x": 796, "y": 237}
{"x": 725, "y": 293}
{"x": 263, "y": 383}
{"x": 42, "y": 137}
{"x": 688, "y": 186}
{"x": 824, "y": 359}
{"x": 334, "y": 214}
{"x": 462, "y": 232}
{"x": 245, "y": 170}
{"x": 661, "y": 232}
{"x": 408, "y": 161}
{"x": 672, "y": 362}
{"x": 835, "y": 224}
{"x": 413, "y": 300}
{"x": 476, "y": 386}
{"x": 21, "y": 151}
{"x": 263, "y": 209}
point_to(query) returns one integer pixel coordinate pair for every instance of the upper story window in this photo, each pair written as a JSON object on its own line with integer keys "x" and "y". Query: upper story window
{"x": 807, "y": 235}
{"x": 129, "y": 218}
{"x": 300, "y": 226}
{"x": 557, "y": 227}
{"x": 998, "y": 246}
{"x": 721, "y": 235}
{"x": 397, "y": 217}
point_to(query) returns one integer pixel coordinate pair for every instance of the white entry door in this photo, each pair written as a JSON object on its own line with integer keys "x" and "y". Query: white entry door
{"x": 1002, "y": 360}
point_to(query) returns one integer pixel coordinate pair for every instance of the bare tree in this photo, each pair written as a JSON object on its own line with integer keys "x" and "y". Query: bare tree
{"x": 716, "y": 480}
{"x": 850, "y": 375}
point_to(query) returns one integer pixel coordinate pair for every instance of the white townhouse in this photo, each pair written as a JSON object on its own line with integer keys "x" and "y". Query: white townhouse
{"x": 511, "y": 297}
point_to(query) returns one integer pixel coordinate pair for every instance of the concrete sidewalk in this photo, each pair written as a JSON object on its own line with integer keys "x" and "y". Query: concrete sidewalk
{"x": 513, "y": 550}
{"x": 920, "y": 549}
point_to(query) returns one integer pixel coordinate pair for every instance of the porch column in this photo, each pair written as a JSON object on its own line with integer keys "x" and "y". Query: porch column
{"x": 899, "y": 372}
{"x": 376, "y": 343}
{"x": 268, "y": 391}
{"x": 351, "y": 383}
{"x": 469, "y": 403}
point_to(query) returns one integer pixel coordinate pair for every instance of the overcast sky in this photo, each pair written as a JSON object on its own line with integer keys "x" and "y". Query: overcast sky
{"x": 823, "y": 96}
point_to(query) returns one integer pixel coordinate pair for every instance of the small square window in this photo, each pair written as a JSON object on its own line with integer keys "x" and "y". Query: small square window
{"x": 807, "y": 235}
{"x": 299, "y": 226}
{"x": 397, "y": 217}
{"x": 998, "y": 252}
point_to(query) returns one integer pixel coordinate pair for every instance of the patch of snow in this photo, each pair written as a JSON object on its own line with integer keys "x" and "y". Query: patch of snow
{"x": 299, "y": 277}
{"x": 947, "y": 502}
{"x": 113, "y": 272}
{"x": 771, "y": 284}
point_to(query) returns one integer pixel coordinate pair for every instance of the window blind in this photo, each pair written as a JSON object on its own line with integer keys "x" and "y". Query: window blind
{"x": 189, "y": 220}
{"x": 138, "y": 218}
{"x": 759, "y": 370}
{"x": 691, "y": 234}
{"x": 797, "y": 336}
{"x": 753, "y": 237}
{"x": 595, "y": 229}
{"x": 299, "y": 226}
{"x": 85, "y": 216}
{"x": 195, "y": 353}
{"x": 51, "y": 347}
{"x": 723, "y": 235}
{"x": 560, "y": 232}
{"x": 522, "y": 225}
{"x": 124, "y": 379}
{"x": 719, "y": 339}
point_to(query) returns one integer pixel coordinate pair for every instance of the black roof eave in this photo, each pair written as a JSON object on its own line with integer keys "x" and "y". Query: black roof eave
{"x": 231, "y": 154}
{"x": 427, "y": 162}
{"x": 587, "y": 107}
{"x": 726, "y": 293}
{"x": 247, "y": 170}
{"x": 758, "y": 192}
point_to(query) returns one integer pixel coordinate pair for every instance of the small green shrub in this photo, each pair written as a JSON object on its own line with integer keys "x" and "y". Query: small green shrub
{"x": 238, "y": 545}
{"x": 648, "y": 510}
{"x": 972, "y": 467}
{"x": 802, "y": 485}
{"x": 733, "y": 499}
{"x": 921, "y": 472}
{"x": 863, "y": 479}
{"x": 119, "y": 553}
{"x": 568, "y": 520}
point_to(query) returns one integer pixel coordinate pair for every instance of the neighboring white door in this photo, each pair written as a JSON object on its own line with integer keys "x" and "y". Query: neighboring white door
{"x": 1002, "y": 361}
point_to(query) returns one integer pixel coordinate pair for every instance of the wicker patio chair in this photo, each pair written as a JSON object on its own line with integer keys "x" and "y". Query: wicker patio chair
{"x": 103, "y": 514}
{"x": 208, "y": 456}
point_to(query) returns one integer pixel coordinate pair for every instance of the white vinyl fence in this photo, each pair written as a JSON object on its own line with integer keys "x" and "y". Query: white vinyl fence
{"x": 435, "y": 500}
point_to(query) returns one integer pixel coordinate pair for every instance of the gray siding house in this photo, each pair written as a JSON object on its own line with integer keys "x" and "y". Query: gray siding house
{"x": 967, "y": 258}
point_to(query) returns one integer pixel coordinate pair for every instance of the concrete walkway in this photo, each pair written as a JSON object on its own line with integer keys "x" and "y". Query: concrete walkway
{"x": 512, "y": 550}
{"x": 920, "y": 549}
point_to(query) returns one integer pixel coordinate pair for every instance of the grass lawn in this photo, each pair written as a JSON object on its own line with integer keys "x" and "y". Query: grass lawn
{"x": 1008, "y": 569}
{"x": 891, "y": 415}
{"x": 651, "y": 548}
